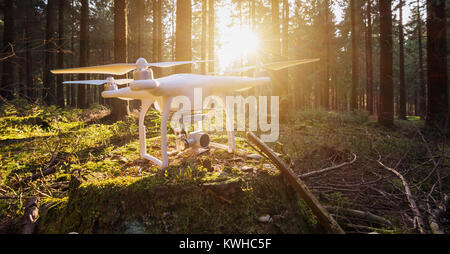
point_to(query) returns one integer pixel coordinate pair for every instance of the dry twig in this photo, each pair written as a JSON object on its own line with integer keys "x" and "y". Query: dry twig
{"x": 418, "y": 220}
{"x": 322, "y": 171}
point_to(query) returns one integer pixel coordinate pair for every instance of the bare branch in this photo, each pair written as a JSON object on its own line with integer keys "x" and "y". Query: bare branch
{"x": 418, "y": 220}
{"x": 321, "y": 171}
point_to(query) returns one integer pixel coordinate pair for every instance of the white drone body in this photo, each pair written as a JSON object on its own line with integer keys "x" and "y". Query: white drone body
{"x": 163, "y": 91}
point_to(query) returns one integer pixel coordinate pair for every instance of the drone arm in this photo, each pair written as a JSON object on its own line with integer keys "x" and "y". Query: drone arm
{"x": 142, "y": 139}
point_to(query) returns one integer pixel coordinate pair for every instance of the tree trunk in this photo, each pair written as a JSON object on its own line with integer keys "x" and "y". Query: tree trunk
{"x": 140, "y": 23}
{"x": 48, "y": 78}
{"x": 353, "y": 94}
{"x": 211, "y": 34}
{"x": 386, "y": 113}
{"x": 203, "y": 40}
{"x": 402, "y": 88}
{"x": 369, "y": 71}
{"x": 183, "y": 50}
{"x": 84, "y": 30}
{"x": 7, "y": 81}
{"x": 59, "y": 79}
{"x": 31, "y": 91}
{"x": 157, "y": 35}
{"x": 73, "y": 88}
{"x": 21, "y": 40}
{"x": 276, "y": 46}
{"x": 284, "y": 74}
{"x": 422, "y": 88}
{"x": 120, "y": 107}
{"x": 326, "y": 85}
{"x": 280, "y": 88}
{"x": 437, "y": 110}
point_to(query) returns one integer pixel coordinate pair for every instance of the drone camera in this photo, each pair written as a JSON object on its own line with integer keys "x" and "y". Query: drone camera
{"x": 198, "y": 139}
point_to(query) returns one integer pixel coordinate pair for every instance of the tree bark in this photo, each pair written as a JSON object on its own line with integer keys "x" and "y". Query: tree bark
{"x": 74, "y": 89}
{"x": 284, "y": 74}
{"x": 402, "y": 88}
{"x": 59, "y": 79}
{"x": 140, "y": 24}
{"x": 211, "y": 34}
{"x": 437, "y": 110}
{"x": 353, "y": 94}
{"x": 422, "y": 89}
{"x": 276, "y": 46}
{"x": 84, "y": 30}
{"x": 157, "y": 35}
{"x": 386, "y": 113}
{"x": 326, "y": 85}
{"x": 183, "y": 50}
{"x": 204, "y": 33}
{"x": 369, "y": 71}
{"x": 48, "y": 78}
{"x": 7, "y": 82}
{"x": 120, "y": 107}
{"x": 30, "y": 90}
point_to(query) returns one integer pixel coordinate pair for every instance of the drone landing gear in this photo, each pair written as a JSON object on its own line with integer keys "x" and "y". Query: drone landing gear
{"x": 142, "y": 139}
{"x": 195, "y": 139}
{"x": 230, "y": 131}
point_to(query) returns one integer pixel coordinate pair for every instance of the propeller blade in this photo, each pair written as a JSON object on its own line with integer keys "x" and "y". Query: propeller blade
{"x": 286, "y": 64}
{"x": 123, "y": 81}
{"x": 112, "y": 69}
{"x": 86, "y": 82}
{"x": 97, "y": 82}
{"x": 171, "y": 64}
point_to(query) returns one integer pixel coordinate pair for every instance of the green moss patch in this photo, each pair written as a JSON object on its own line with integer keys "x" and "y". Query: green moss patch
{"x": 151, "y": 205}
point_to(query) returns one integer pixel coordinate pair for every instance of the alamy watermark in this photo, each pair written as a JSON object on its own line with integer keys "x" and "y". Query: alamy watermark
{"x": 232, "y": 109}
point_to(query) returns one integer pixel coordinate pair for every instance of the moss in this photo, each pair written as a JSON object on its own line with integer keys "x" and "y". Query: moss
{"x": 151, "y": 205}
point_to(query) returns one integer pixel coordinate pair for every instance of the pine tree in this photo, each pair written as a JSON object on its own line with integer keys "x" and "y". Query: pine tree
{"x": 84, "y": 30}
{"x": 120, "y": 107}
{"x": 353, "y": 93}
{"x": 437, "y": 110}
{"x": 402, "y": 88}
{"x": 49, "y": 61}
{"x": 369, "y": 71}
{"x": 386, "y": 112}
{"x": 183, "y": 50}
{"x": 59, "y": 79}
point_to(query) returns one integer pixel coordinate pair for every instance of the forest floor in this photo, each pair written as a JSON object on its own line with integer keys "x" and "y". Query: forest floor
{"x": 88, "y": 176}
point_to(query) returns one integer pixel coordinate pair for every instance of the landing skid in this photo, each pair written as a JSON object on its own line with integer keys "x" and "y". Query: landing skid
{"x": 165, "y": 110}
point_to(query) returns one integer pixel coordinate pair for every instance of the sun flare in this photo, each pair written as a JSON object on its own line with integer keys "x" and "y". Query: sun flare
{"x": 236, "y": 46}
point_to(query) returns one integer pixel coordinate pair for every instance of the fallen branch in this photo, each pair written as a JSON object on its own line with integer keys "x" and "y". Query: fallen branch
{"x": 321, "y": 171}
{"x": 418, "y": 220}
{"x": 49, "y": 171}
{"x": 361, "y": 215}
{"x": 318, "y": 210}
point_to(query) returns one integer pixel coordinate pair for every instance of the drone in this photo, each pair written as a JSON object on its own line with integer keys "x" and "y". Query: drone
{"x": 162, "y": 91}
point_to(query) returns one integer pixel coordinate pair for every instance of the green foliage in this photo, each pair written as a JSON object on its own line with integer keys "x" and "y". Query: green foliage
{"x": 122, "y": 193}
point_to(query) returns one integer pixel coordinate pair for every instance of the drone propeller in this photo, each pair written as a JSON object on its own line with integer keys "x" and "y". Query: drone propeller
{"x": 121, "y": 68}
{"x": 286, "y": 64}
{"x": 99, "y": 82}
{"x": 276, "y": 66}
